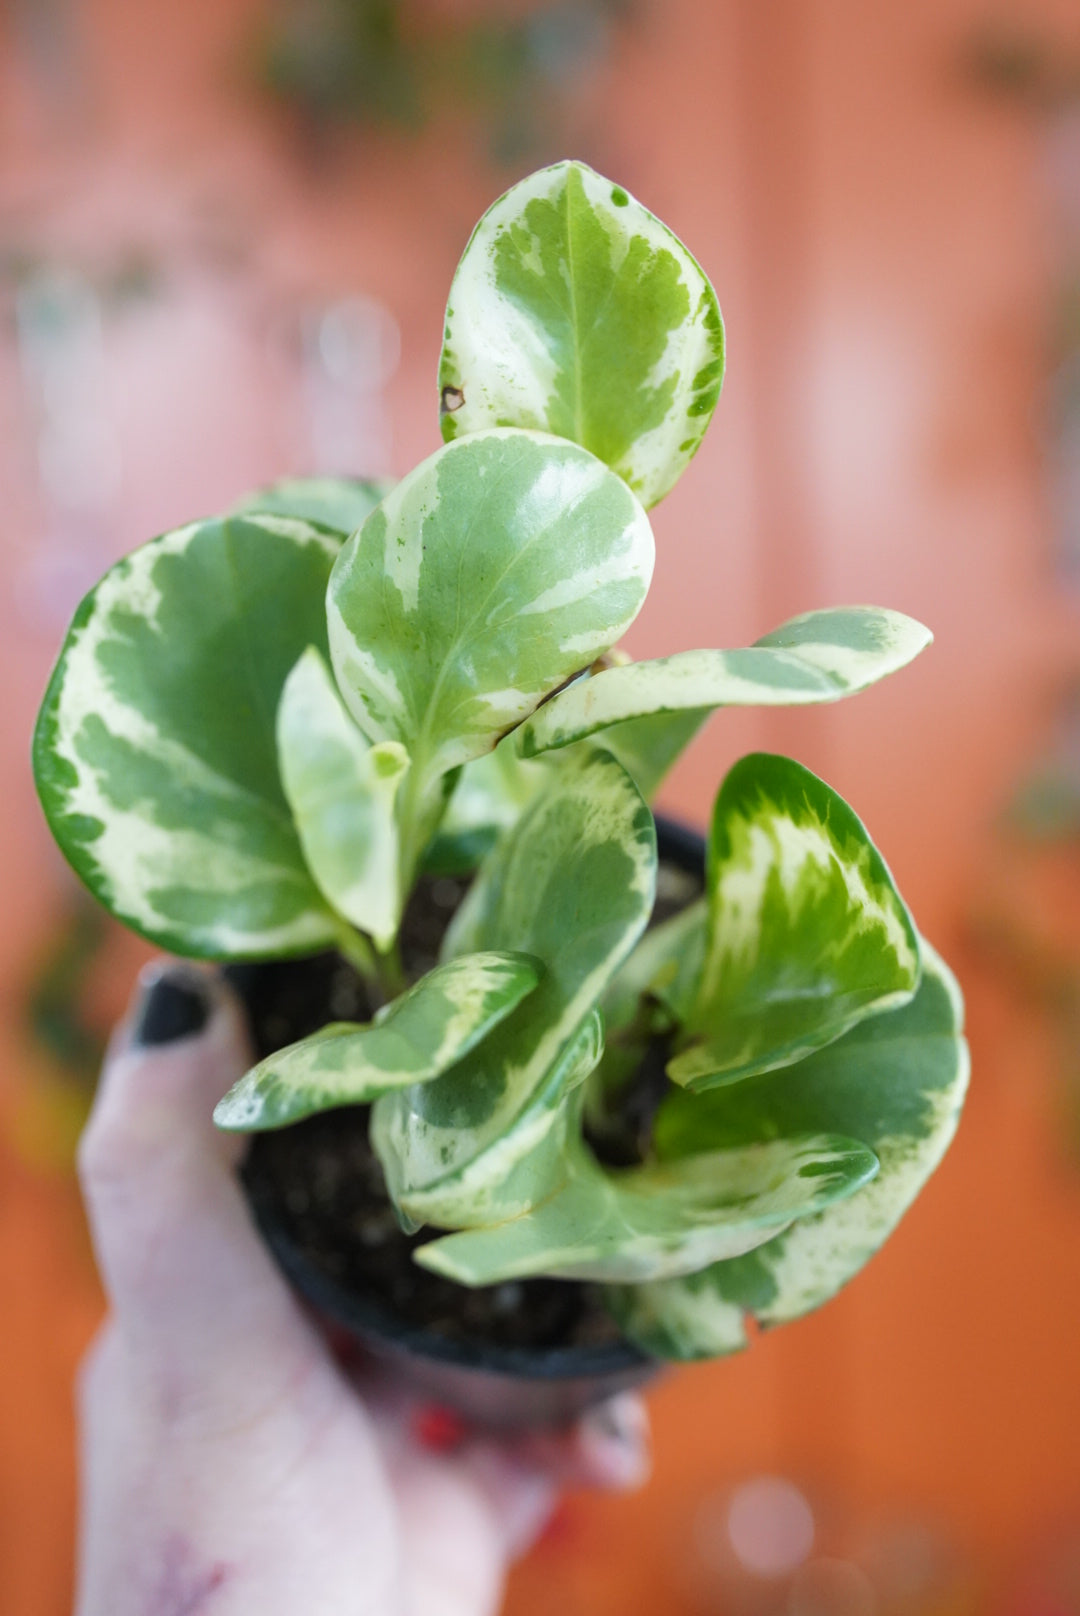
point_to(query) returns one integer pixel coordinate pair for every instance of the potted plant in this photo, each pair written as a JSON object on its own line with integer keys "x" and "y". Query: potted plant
{"x": 517, "y": 1119}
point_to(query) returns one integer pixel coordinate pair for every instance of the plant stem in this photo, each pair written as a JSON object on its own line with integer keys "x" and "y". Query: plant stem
{"x": 392, "y": 978}
{"x": 359, "y": 953}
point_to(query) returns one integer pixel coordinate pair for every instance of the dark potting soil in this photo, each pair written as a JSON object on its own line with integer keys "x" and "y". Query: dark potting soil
{"x": 326, "y": 1183}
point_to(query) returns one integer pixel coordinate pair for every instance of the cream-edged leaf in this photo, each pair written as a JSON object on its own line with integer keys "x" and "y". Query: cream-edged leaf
{"x": 417, "y": 1036}
{"x": 155, "y": 754}
{"x": 896, "y": 1081}
{"x": 342, "y": 791}
{"x": 659, "y": 1221}
{"x": 572, "y": 883}
{"x": 575, "y": 311}
{"x": 820, "y": 656}
{"x": 493, "y": 572}
{"x": 806, "y": 932}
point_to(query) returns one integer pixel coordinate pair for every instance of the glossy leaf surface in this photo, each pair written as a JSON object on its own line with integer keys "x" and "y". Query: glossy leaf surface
{"x": 661, "y": 1220}
{"x": 573, "y": 885}
{"x": 491, "y": 574}
{"x": 418, "y": 1036}
{"x": 342, "y": 791}
{"x": 155, "y": 752}
{"x": 896, "y": 1081}
{"x": 575, "y": 311}
{"x": 806, "y": 933}
{"x": 821, "y": 656}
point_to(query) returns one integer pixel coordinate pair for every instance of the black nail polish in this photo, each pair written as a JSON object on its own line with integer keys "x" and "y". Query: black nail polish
{"x": 175, "y": 1006}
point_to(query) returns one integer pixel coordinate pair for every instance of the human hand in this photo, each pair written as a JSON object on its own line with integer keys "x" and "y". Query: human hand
{"x": 229, "y": 1465}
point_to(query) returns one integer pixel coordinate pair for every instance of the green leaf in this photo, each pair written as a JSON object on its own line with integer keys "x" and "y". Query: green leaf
{"x": 342, "y": 790}
{"x": 666, "y": 965}
{"x": 419, "y": 1035}
{"x": 155, "y": 753}
{"x": 337, "y": 503}
{"x": 806, "y": 932}
{"x": 575, "y": 311}
{"x": 896, "y": 1081}
{"x": 491, "y": 574}
{"x": 571, "y": 884}
{"x": 489, "y": 797}
{"x": 648, "y": 747}
{"x": 820, "y": 656}
{"x": 658, "y": 1221}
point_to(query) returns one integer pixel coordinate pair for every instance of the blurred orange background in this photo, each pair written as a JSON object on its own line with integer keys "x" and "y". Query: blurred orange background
{"x": 889, "y": 207}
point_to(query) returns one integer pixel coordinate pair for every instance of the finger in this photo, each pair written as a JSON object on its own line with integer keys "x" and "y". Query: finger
{"x": 608, "y": 1447}
{"x": 462, "y": 1518}
{"x": 183, "y": 1265}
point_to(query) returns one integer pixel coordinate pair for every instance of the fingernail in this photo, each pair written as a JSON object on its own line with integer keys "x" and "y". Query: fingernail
{"x": 616, "y": 1436}
{"x": 176, "y": 1003}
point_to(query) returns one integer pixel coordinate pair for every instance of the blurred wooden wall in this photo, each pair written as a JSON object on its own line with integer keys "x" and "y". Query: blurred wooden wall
{"x": 876, "y": 226}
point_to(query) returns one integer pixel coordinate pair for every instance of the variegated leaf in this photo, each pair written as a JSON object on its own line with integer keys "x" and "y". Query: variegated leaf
{"x": 155, "y": 754}
{"x": 666, "y": 965}
{"x": 648, "y": 747}
{"x": 492, "y": 573}
{"x": 489, "y": 797}
{"x": 575, "y": 311}
{"x": 806, "y": 932}
{"x": 342, "y": 790}
{"x": 572, "y": 883}
{"x": 419, "y": 1035}
{"x": 820, "y": 656}
{"x": 528, "y": 1162}
{"x": 896, "y": 1081}
{"x": 338, "y": 503}
{"x": 658, "y": 1221}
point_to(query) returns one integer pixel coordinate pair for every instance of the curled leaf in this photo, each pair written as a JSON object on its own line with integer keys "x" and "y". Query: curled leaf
{"x": 821, "y": 656}
{"x": 419, "y": 1035}
{"x": 806, "y": 932}
{"x": 572, "y": 883}
{"x": 896, "y": 1081}
{"x": 658, "y": 1221}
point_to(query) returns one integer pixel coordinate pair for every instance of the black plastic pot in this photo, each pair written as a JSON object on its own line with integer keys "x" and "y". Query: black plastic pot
{"x": 490, "y": 1385}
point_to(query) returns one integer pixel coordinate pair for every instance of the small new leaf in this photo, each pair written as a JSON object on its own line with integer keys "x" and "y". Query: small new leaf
{"x": 419, "y": 1035}
{"x": 806, "y": 932}
{"x": 342, "y": 792}
{"x": 575, "y": 311}
{"x": 820, "y": 656}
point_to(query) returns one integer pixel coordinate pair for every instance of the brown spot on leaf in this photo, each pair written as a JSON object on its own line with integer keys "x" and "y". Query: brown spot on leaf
{"x": 452, "y": 399}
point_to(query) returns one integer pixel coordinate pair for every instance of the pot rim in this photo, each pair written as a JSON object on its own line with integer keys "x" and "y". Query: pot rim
{"x": 366, "y": 1315}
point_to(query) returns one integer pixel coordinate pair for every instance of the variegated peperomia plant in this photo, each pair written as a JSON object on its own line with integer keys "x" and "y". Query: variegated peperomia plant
{"x": 265, "y": 727}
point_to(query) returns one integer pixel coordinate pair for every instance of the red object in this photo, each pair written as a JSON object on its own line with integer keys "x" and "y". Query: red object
{"x": 438, "y": 1429}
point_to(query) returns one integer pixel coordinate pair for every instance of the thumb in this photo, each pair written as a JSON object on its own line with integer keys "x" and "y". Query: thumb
{"x": 184, "y": 1268}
